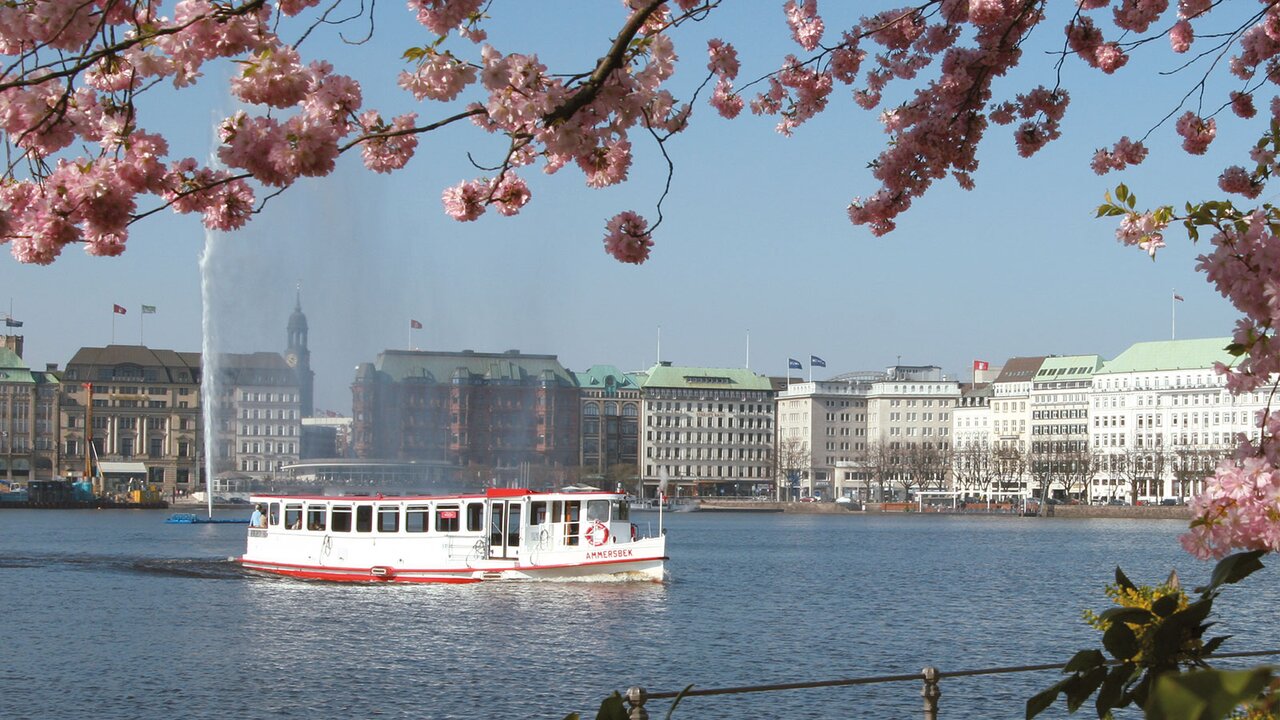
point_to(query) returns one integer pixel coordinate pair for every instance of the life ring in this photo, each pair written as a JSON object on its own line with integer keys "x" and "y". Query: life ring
{"x": 597, "y": 534}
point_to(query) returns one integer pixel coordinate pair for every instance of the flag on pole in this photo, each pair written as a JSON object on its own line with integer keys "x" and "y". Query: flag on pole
{"x": 118, "y": 309}
{"x": 10, "y": 322}
{"x": 816, "y": 361}
{"x": 148, "y": 309}
{"x": 793, "y": 364}
{"x": 1176, "y": 296}
{"x": 981, "y": 365}
{"x": 415, "y": 325}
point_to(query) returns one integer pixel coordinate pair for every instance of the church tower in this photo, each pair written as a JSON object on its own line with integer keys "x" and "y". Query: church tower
{"x": 298, "y": 357}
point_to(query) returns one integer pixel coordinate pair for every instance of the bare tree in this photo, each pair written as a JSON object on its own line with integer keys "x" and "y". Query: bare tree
{"x": 1010, "y": 467}
{"x": 791, "y": 459}
{"x": 1081, "y": 466}
{"x": 973, "y": 467}
{"x": 1191, "y": 465}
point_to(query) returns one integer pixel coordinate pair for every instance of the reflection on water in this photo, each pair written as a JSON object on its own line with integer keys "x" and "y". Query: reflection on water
{"x": 119, "y": 618}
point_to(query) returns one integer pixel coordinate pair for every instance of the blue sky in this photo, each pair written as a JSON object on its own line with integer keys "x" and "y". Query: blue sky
{"x": 755, "y": 239}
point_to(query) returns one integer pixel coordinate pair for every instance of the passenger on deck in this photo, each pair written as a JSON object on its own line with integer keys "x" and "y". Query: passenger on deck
{"x": 257, "y": 519}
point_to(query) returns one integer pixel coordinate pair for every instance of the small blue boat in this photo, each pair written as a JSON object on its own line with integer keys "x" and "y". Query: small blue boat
{"x": 193, "y": 519}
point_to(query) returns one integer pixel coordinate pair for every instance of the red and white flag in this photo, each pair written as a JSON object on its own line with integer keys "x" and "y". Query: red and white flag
{"x": 118, "y": 309}
{"x": 981, "y": 365}
{"x": 415, "y": 325}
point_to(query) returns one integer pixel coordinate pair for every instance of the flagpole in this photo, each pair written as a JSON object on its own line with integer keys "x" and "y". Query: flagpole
{"x": 748, "y": 348}
{"x": 1173, "y": 315}
{"x": 141, "y": 320}
{"x": 113, "y": 325}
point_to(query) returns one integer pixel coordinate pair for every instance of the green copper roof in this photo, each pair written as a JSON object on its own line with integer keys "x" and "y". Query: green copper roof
{"x": 601, "y": 376}
{"x": 439, "y": 367}
{"x": 1068, "y": 367}
{"x": 1171, "y": 355}
{"x": 13, "y": 369}
{"x": 675, "y": 376}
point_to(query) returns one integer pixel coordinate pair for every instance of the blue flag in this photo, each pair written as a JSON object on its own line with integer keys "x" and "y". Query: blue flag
{"x": 816, "y": 361}
{"x": 793, "y": 364}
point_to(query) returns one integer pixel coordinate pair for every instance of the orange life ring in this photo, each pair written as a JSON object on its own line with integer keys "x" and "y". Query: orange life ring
{"x": 597, "y": 533}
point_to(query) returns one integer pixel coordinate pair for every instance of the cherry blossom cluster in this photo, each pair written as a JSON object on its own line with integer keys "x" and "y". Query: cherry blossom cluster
{"x": 85, "y": 161}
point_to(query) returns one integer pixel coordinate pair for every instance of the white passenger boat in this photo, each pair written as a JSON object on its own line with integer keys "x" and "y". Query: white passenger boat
{"x": 504, "y": 534}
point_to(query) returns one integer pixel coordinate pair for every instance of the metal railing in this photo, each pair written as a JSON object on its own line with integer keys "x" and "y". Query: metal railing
{"x": 930, "y": 678}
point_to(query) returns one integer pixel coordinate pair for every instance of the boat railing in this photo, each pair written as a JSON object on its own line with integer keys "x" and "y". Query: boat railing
{"x": 930, "y": 679}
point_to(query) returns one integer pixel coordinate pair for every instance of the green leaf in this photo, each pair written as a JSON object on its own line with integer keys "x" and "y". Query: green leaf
{"x": 676, "y": 703}
{"x": 1204, "y": 694}
{"x": 1123, "y": 580}
{"x": 1111, "y": 694}
{"x": 1042, "y": 700}
{"x": 1122, "y": 192}
{"x": 1126, "y": 615}
{"x": 1085, "y": 660}
{"x": 612, "y": 708}
{"x": 1120, "y": 641}
{"x": 1080, "y": 691}
{"x": 1234, "y": 568}
{"x": 1166, "y": 605}
{"x": 1212, "y": 645}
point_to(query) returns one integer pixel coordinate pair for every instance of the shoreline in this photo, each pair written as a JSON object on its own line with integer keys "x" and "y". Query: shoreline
{"x": 1074, "y": 512}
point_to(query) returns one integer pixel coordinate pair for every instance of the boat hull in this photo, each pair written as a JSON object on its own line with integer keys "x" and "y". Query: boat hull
{"x": 649, "y": 569}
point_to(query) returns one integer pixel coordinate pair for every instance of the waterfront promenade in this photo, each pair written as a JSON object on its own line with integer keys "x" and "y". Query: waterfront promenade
{"x": 1131, "y": 512}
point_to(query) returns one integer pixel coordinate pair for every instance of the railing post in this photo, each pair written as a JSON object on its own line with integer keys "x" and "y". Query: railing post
{"x": 635, "y": 698}
{"x": 930, "y": 692}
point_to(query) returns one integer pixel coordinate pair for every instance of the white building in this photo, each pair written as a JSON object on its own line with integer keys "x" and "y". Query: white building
{"x": 709, "y": 431}
{"x": 822, "y": 436}
{"x": 909, "y": 430}
{"x": 1161, "y": 418}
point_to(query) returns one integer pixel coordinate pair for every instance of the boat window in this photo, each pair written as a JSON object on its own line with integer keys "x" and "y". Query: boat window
{"x": 622, "y": 511}
{"x": 364, "y": 518}
{"x": 475, "y": 517}
{"x": 273, "y": 514}
{"x": 513, "y": 525}
{"x": 495, "y": 525}
{"x": 447, "y": 518}
{"x": 416, "y": 518}
{"x": 293, "y": 517}
{"x": 598, "y": 510}
{"x": 388, "y": 519}
{"x": 572, "y": 513}
{"x": 315, "y": 517}
{"x": 538, "y": 512}
{"x": 557, "y": 511}
{"x": 340, "y": 520}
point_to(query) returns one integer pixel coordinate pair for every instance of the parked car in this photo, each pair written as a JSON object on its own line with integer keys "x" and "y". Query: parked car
{"x": 1116, "y": 501}
{"x": 808, "y": 498}
{"x": 1169, "y": 501}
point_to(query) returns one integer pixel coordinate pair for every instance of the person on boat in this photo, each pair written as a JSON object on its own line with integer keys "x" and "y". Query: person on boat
{"x": 257, "y": 519}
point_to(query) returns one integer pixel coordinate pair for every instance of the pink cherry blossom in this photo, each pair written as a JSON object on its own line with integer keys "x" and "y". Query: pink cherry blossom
{"x": 806, "y": 26}
{"x": 627, "y": 238}
{"x": 1196, "y": 132}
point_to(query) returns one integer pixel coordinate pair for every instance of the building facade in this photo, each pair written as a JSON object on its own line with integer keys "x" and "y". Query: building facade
{"x": 260, "y": 419}
{"x": 822, "y": 436}
{"x": 28, "y": 417}
{"x": 137, "y": 408}
{"x": 707, "y": 431}
{"x": 503, "y": 414}
{"x": 909, "y": 421}
{"x": 610, "y": 425}
{"x": 1160, "y": 418}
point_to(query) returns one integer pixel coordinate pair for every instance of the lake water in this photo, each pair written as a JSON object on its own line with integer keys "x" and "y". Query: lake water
{"x": 114, "y": 614}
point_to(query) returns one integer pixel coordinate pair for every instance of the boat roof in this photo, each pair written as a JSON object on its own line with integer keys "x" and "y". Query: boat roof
{"x": 488, "y": 493}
